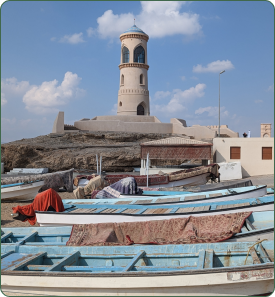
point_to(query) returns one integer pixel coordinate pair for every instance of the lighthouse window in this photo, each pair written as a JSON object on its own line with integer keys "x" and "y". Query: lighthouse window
{"x": 122, "y": 79}
{"x": 140, "y": 110}
{"x": 139, "y": 55}
{"x": 141, "y": 79}
{"x": 125, "y": 55}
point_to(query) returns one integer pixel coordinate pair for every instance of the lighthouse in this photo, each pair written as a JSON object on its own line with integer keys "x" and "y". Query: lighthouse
{"x": 133, "y": 94}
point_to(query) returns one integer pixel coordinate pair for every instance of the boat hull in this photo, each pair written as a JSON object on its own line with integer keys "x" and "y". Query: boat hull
{"x": 229, "y": 283}
{"x": 68, "y": 219}
{"x": 21, "y": 192}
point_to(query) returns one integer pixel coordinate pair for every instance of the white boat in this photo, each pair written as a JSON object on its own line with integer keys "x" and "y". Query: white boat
{"x": 212, "y": 269}
{"x": 88, "y": 214}
{"x": 20, "y": 191}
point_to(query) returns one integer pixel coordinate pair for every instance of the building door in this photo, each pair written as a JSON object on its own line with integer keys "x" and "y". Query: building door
{"x": 140, "y": 110}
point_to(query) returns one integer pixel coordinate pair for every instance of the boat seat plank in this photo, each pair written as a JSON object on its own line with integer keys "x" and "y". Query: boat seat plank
{"x": 159, "y": 210}
{"x": 209, "y": 257}
{"x": 165, "y": 200}
{"x": 215, "y": 195}
{"x": 147, "y": 211}
{"x": 167, "y": 210}
{"x": 68, "y": 260}
{"x": 143, "y": 201}
{"x": 134, "y": 261}
{"x": 200, "y": 264}
{"x": 249, "y": 225}
{"x": 264, "y": 254}
{"x": 185, "y": 209}
{"x": 30, "y": 236}
{"x": 6, "y": 254}
{"x": 25, "y": 262}
{"x": 254, "y": 255}
{"x": 124, "y": 202}
{"x": 5, "y": 236}
{"x": 194, "y": 197}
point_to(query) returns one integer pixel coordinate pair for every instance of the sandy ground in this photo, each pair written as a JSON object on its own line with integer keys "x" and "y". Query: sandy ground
{"x": 6, "y": 211}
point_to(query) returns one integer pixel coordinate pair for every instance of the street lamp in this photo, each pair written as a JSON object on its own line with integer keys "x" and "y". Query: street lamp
{"x": 220, "y": 101}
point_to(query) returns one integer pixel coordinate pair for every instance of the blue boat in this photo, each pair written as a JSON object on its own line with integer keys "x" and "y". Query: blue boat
{"x": 258, "y": 226}
{"x": 89, "y": 213}
{"x": 191, "y": 198}
{"x": 227, "y": 268}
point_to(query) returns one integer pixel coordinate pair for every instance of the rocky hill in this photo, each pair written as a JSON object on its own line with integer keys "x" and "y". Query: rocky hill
{"x": 120, "y": 151}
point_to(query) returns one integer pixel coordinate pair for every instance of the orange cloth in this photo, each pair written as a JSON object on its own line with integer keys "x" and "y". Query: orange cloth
{"x": 41, "y": 202}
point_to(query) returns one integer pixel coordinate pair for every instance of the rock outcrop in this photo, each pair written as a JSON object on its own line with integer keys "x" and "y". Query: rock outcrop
{"x": 120, "y": 151}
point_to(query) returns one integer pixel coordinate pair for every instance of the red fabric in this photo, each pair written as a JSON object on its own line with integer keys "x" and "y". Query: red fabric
{"x": 41, "y": 202}
{"x": 173, "y": 231}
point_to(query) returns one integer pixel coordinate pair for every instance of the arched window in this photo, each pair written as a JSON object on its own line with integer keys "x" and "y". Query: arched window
{"x": 139, "y": 55}
{"x": 122, "y": 79}
{"x": 140, "y": 110}
{"x": 141, "y": 79}
{"x": 120, "y": 103}
{"x": 125, "y": 55}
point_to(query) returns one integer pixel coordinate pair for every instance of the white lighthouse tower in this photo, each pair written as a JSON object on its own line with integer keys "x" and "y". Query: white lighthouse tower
{"x": 133, "y": 94}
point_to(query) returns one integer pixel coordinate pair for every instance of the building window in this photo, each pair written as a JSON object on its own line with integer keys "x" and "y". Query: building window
{"x": 139, "y": 55}
{"x": 120, "y": 103}
{"x": 140, "y": 110}
{"x": 235, "y": 152}
{"x": 266, "y": 153}
{"x": 141, "y": 79}
{"x": 122, "y": 79}
{"x": 125, "y": 55}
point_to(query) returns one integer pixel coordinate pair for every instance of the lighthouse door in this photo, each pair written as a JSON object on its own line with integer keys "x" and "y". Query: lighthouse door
{"x": 140, "y": 110}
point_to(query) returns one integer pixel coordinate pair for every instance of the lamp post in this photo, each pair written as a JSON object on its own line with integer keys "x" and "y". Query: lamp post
{"x": 220, "y": 101}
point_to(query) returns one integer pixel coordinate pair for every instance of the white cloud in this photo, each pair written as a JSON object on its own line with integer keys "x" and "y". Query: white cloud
{"x": 90, "y": 32}
{"x": 114, "y": 109}
{"x": 213, "y": 111}
{"x": 11, "y": 88}
{"x": 48, "y": 96}
{"x": 258, "y": 101}
{"x": 194, "y": 77}
{"x": 73, "y": 39}
{"x": 157, "y": 19}
{"x": 180, "y": 99}
{"x": 271, "y": 88}
{"x": 53, "y": 38}
{"x": 216, "y": 66}
{"x": 161, "y": 95}
{"x": 3, "y": 99}
{"x": 183, "y": 78}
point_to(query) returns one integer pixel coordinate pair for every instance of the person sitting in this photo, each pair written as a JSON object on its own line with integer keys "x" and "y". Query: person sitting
{"x": 244, "y": 135}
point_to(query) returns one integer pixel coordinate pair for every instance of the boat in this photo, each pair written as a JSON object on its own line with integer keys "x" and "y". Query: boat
{"x": 20, "y": 191}
{"x": 193, "y": 176}
{"x": 258, "y": 226}
{"x": 209, "y": 269}
{"x": 54, "y": 180}
{"x": 191, "y": 198}
{"x": 89, "y": 213}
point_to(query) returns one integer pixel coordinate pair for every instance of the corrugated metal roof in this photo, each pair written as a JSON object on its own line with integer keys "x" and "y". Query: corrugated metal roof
{"x": 175, "y": 140}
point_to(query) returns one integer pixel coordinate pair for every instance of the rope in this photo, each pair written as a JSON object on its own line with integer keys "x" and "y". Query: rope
{"x": 251, "y": 248}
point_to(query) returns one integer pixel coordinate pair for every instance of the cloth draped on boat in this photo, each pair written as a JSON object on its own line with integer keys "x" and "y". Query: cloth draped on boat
{"x": 54, "y": 180}
{"x": 173, "y": 231}
{"x": 96, "y": 183}
{"x": 78, "y": 177}
{"x": 127, "y": 185}
{"x": 41, "y": 202}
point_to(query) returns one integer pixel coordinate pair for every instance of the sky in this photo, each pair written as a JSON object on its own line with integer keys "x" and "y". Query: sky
{"x": 64, "y": 56}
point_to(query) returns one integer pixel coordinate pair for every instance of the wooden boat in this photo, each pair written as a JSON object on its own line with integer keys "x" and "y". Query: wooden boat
{"x": 209, "y": 269}
{"x": 89, "y": 213}
{"x": 20, "y": 191}
{"x": 194, "y": 176}
{"x": 191, "y": 198}
{"x": 258, "y": 226}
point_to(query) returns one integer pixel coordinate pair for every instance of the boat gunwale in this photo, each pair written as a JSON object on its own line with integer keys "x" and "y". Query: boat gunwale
{"x": 142, "y": 273}
{"x": 149, "y": 215}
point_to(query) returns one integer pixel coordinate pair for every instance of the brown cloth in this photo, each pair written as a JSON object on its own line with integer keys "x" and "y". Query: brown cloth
{"x": 173, "y": 231}
{"x": 41, "y": 202}
{"x": 96, "y": 183}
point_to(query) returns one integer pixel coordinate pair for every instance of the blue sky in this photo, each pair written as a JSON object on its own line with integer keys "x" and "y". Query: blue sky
{"x": 64, "y": 56}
